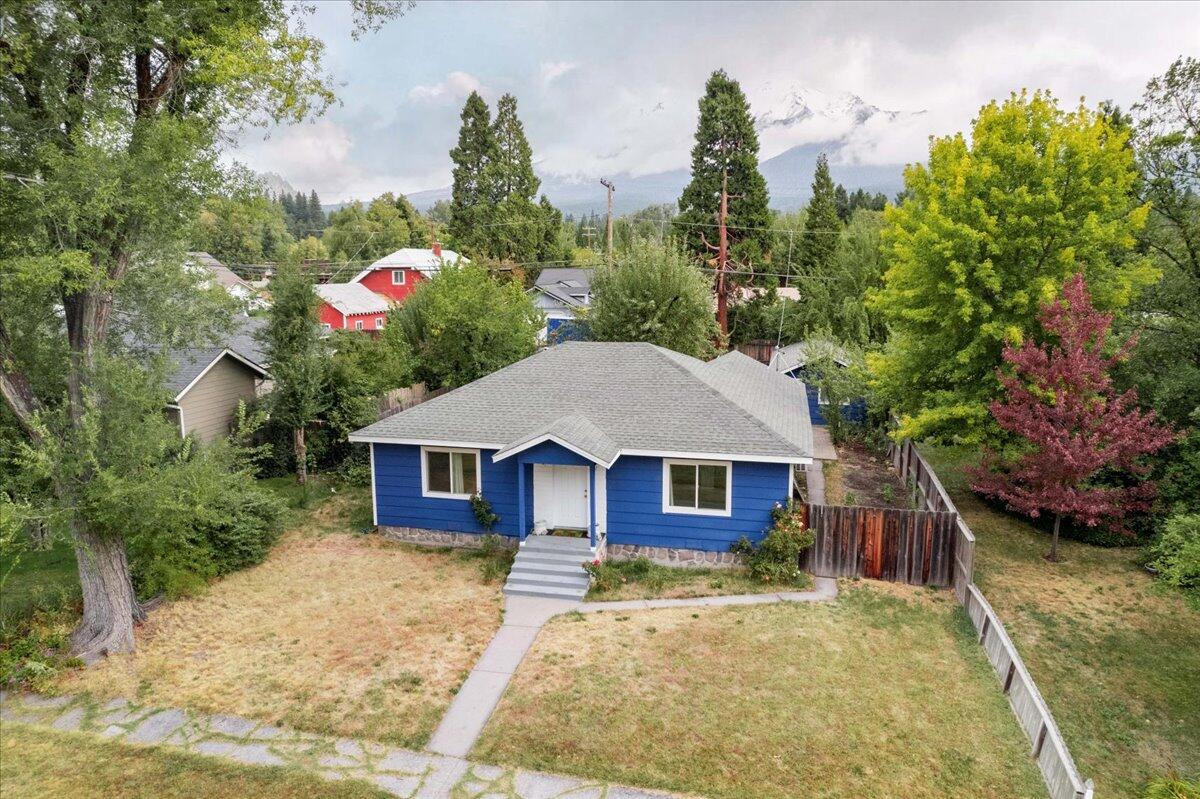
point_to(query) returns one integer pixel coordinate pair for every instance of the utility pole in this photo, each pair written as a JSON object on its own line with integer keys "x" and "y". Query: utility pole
{"x": 606, "y": 183}
{"x": 722, "y": 249}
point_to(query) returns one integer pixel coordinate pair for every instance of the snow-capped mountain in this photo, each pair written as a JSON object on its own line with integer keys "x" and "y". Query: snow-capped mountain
{"x": 795, "y": 125}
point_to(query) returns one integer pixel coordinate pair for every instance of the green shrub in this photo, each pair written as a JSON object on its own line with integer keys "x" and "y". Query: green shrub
{"x": 1176, "y": 554}
{"x": 483, "y": 511}
{"x": 1172, "y": 786}
{"x": 33, "y": 651}
{"x": 776, "y": 559}
{"x": 496, "y": 558}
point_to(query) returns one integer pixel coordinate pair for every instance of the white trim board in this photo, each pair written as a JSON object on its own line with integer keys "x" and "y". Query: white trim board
{"x": 648, "y": 453}
{"x": 508, "y": 453}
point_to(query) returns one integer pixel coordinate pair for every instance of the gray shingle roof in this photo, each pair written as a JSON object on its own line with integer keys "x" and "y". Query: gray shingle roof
{"x": 570, "y": 286}
{"x": 608, "y": 398}
{"x": 793, "y": 356}
{"x": 352, "y": 298}
{"x": 187, "y": 364}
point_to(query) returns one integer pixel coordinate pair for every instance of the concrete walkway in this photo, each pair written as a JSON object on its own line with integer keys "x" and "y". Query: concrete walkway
{"x": 480, "y": 693}
{"x": 400, "y": 772}
{"x": 475, "y": 702}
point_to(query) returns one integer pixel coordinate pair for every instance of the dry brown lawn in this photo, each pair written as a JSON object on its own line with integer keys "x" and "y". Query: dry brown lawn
{"x": 882, "y": 693}
{"x": 337, "y": 634}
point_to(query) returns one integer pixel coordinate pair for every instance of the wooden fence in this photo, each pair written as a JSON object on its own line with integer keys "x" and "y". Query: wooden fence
{"x": 1048, "y": 747}
{"x": 401, "y": 399}
{"x": 760, "y": 351}
{"x": 929, "y": 494}
{"x": 906, "y": 546}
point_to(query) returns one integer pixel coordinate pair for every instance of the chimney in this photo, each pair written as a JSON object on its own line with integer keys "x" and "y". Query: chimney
{"x": 437, "y": 248}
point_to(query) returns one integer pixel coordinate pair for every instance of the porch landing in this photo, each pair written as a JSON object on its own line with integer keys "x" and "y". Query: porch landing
{"x": 550, "y": 567}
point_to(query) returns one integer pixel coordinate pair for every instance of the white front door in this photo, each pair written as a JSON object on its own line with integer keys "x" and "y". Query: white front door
{"x": 560, "y": 496}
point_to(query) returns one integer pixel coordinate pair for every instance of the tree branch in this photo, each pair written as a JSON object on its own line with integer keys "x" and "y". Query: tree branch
{"x": 14, "y": 387}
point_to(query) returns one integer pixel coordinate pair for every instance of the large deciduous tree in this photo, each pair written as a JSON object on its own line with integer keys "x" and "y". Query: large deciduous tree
{"x": 653, "y": 294}
{"x": 461, "y": 325}
{"x": 111, "y": 120}
{"x": 1070, "y": 423}
{"x": 726, "y": 143}
{"x": 987, "y": 232}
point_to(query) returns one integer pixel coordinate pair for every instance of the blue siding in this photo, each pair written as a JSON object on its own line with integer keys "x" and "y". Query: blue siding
{"x": 399, "y": 502}
{"x": 634, "y": 490}
{"x": 549, "y": 452}
{"x": 635, "y": 516}
{"x": 855, "y": 411}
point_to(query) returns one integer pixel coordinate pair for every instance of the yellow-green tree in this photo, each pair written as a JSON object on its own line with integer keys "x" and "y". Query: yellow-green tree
{"x": 991, "y": 228}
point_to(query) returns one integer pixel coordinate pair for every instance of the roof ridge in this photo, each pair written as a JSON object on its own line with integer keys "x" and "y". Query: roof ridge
{"x": 737, "y": 406}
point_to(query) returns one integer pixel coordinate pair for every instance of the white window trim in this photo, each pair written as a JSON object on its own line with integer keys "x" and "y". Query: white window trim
{"x": 358, "y": 324}
{"x": 403, "y": 277}
{"x": 379, "y": 323}
{"x": 425, "y": 492}
{"x": 667, "y": 507}
{"x": 326, "y": 326}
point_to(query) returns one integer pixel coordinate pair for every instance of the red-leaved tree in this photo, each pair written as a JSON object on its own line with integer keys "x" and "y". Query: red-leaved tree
{"x": 1061, "y": 402}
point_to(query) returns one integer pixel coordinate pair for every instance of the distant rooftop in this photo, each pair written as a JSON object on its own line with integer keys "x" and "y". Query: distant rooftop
{"x": 352, "y": 298}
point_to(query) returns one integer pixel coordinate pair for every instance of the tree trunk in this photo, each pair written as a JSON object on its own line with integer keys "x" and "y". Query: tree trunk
{"x": 301, "y": 456}
{"x": 109, "y": 605}
{"x": 1053, "y": 556}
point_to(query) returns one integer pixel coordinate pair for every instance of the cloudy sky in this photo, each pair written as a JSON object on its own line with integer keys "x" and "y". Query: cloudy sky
{"x": 609, "y": 88}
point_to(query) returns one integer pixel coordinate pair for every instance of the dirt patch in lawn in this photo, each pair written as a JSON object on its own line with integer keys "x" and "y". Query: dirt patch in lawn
{"x": 338, "y": 634}
{"x": 883, "y": 692}
{"x": 862, "y": 476}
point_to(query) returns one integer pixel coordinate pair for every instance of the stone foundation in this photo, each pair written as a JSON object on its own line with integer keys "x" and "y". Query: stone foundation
{"x": 670, "y": 556}
{"x": 438, "y": 538}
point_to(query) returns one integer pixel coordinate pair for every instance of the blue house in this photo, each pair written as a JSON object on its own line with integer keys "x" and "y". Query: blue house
{"x": 560, "y": 293}
{"x": 795, "y": 360}
{"x": 632, "y": 448}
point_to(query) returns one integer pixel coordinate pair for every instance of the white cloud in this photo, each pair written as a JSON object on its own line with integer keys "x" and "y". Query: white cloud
{"x": 456, "y": 86}
{"x": 553, "y": 70}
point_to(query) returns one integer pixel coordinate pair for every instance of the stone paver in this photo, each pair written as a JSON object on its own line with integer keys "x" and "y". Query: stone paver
{"x": 400, "y": 772}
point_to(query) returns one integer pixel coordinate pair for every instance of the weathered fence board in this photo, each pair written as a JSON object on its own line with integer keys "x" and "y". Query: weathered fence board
{"x": 1047, "y": 744}
{"x": 907, "y": 546}
{"x": 401, "y": 399}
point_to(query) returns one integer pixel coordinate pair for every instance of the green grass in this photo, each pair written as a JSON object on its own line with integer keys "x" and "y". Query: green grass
{"x": 881, "y": 693}
{"x": 643, "y": 579}
{"x": 38, "y": 762}
{"x": 43, "y": 579}
{"x": 1115, "y": 653}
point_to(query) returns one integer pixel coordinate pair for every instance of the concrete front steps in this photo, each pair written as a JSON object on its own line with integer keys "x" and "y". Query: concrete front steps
{"x": 550, "y": 566}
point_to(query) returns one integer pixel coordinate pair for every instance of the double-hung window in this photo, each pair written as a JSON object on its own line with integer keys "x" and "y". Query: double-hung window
{"x": 699, "y": 487}
{"x": 449, "y": 473}
{"x": 358, "y": 324}
{"x": 398, "y": 277}
{"x": 379, "y": 323}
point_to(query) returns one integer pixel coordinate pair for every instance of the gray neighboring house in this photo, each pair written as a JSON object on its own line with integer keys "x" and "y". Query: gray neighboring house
{"x": 207, "y": 383}
{"x": 224, "y": 277}
{"x": 560, "y": 293}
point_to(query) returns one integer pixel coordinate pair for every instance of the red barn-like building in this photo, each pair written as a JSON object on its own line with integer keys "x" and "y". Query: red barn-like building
{"x": 395, "y": 276}
{"x": 351, "y": 306}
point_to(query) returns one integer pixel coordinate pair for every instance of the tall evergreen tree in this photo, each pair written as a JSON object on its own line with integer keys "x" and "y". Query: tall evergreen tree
{"x": 471, "y": 197}
{"x": 822, "y": 230}
{"x": 726, "y": 141}
{"x": 512, "y": 169}
{"x": 303, "y": 218}
{"x": 316, "y": 217}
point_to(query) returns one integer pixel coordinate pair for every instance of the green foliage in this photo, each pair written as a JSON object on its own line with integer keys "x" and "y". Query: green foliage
{"x": 840, "y": 372}
{"x": 822, "y": 232}
{"x": 242, "y": 227}
{"x": 653, "y": 294}
{"x": 483, "y": 511}
{"x": 32, "y": 650}
{"x": 496, "y": 558}
{"x": 1176, "y": 554}
{"x": 294, "y": 349}
{"x": 1179, "y": 472}
{"x": 387, "y": 224}
{"x": 494, "y": 213}
{"x": 990, "y": 230}
{"x": 309, "y": 248}
{"x": 776, "y": 559}
{"x": 461, "y": 325}
{"x": 1172, "y": 786}
{"x": 726, "y": 142}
